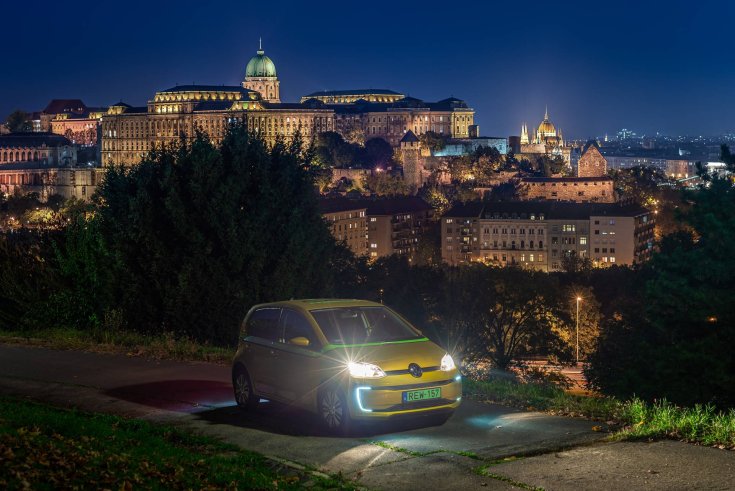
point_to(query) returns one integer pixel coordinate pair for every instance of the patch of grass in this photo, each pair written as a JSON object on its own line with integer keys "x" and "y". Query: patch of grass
{"x": 415, "y": 453}
{"x": 699, "y": 424}
{"x": 498, "y": 477}
{"x": 702, "y": 424}
{"x": 165, "y": 346}
{"x": 47, "y": 448}
{"x": 464, "y": 453}
{"x": 541, "y": 397}
{"x": 396, "y": 448}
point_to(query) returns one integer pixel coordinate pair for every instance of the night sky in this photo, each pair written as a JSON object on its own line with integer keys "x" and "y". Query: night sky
{"x": 646, "y": 66}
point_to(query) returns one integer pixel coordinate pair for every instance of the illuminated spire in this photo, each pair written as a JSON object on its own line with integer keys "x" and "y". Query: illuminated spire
{"x": 260, "y": 46}
{"x": 524, "y": 134}
{"x": 546, "y": 113}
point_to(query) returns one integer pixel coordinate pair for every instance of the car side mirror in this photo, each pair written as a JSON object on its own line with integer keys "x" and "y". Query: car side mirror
{"x": 299, "y": 341}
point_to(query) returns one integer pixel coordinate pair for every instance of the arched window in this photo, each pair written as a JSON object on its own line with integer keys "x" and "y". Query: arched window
{"x": 35, "y": 156}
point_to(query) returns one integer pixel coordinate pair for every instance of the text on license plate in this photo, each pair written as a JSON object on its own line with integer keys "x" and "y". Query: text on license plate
{"x": 421, "y": 395}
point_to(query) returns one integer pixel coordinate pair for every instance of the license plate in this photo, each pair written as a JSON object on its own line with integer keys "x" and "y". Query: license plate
{"x": 422, "y": 395}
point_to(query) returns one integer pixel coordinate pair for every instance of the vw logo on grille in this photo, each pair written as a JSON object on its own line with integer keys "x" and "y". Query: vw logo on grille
{"x": 415, "y": 370}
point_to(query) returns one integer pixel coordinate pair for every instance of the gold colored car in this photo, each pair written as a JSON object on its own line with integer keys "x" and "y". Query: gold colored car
{"x": 344, "y": 360}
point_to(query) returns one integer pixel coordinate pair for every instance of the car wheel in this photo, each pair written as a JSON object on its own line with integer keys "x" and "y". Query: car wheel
{"x": 333, "y": 411}
{"x": 243, "y": 387}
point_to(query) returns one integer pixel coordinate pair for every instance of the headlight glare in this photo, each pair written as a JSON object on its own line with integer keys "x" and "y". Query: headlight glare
{"x": 447, "y": 363}
{"x": 364, "y": 370}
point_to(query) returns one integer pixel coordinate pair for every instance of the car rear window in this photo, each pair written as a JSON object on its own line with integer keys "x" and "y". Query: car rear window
{"x": 359, "y": 325}
{"x": 263, "y": 323}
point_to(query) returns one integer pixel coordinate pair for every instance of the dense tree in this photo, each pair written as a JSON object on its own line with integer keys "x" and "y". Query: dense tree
{"x": 501, "y": 314}
{"x": 506, "y": 191}
{"x": 589, "y": 320}
{"x": 433, "y": 141}
{"x": 548, "y": 166}
{"x": 651, "y": 188}
{"x": 19, "y": 121}
{"x": 386, "y": 184}
{"x": 331, "y": 150}
{"x": 436, "y": 197}
{"x": 27, "y": 278}
{"x": 206, "y": 232}
{"x": 378, "y": 153}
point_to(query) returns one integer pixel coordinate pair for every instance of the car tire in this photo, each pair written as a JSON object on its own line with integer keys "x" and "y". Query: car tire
{"x": 334, "y": 414}
{"x": 243, "y": 388}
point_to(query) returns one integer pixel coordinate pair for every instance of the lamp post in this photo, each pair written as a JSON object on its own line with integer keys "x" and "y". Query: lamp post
{"x": 577, "y": 329}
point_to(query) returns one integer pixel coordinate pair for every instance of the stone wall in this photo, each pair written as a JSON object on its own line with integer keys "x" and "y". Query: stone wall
{"x": 580, "y": 190}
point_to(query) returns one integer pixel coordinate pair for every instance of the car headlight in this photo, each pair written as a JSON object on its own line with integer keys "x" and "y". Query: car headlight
{"x": 447, "y": 363}
{"x": 364, "y": 370}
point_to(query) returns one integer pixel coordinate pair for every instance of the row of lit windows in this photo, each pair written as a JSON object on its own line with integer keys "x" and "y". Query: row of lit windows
{"x": 504, "y": 231}
{"x": 348, "y": 215}
{"x": 23, "y": 156}
{"x": 187, "y": 96}
{"x": 504, "y": 244}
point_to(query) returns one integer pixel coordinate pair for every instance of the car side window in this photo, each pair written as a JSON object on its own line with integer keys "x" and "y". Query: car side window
{"x": 295, "y": 325}
{"x": 263, "y": 323}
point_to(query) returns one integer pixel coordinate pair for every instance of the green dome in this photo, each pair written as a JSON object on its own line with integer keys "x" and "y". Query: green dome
{"x": 260, "y": 66}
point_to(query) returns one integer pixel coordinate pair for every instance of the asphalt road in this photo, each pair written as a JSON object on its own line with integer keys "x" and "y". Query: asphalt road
{"x": 560, "y": 453}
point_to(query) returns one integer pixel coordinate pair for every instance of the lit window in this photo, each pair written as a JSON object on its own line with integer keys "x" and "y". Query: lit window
{"x": 373, "y": 219}
{"x": 583, "y": 240}
{"x": 373, "y": 246}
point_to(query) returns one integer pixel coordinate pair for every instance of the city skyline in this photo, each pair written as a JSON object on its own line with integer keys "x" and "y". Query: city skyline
{"x": 598, "y": 70}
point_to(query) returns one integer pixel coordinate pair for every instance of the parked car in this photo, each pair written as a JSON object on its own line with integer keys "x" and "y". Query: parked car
{"x": 345, "y": 360}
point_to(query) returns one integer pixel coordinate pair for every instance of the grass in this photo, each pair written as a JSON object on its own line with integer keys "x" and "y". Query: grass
{"x": 542, "y": 397}
{"x": 114, "y": 341}
{"x": 636, "y": 419}
{"x": 42, "y": 447}
{"x": 700, "y": 424}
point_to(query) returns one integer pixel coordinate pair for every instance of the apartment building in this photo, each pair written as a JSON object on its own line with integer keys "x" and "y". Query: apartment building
{"x": 537, "y": 234}
{"x": 396, "y": 224}
{"x": 348, "y": 222}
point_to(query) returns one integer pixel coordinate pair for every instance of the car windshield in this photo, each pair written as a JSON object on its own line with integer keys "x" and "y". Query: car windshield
{"x": 359, "y": 325}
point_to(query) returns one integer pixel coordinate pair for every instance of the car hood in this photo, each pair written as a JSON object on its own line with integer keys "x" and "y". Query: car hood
{"x": 392, "y": 355}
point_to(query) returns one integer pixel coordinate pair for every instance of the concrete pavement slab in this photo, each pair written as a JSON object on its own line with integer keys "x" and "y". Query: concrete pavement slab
{"x": 492, "y": 432}
{"x": 438, "y": 471}
{"x": 624, "y": 466}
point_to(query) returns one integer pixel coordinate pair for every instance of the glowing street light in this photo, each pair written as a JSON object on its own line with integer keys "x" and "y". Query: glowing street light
{"x": 579, "y": 299}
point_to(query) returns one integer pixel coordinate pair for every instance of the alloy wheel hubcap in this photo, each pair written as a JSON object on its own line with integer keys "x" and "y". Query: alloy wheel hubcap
{"x": 243, "y": 389}
{"x": 332, "y": 409}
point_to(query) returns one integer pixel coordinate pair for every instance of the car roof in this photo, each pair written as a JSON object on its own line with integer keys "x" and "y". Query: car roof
{"x": 320, "y": 303}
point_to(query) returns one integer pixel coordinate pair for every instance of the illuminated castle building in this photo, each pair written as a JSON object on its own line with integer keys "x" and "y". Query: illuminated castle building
{"x": 128, "y": 132}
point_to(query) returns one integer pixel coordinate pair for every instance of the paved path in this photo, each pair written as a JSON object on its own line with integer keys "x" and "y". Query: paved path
{"x": 569, "y": 453}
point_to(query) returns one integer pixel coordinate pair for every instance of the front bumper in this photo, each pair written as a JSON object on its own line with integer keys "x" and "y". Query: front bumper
{"x": 385, "y": 399}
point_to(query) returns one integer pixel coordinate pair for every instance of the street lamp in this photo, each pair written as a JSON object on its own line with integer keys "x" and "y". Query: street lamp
{"x": 579, "y": 299}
